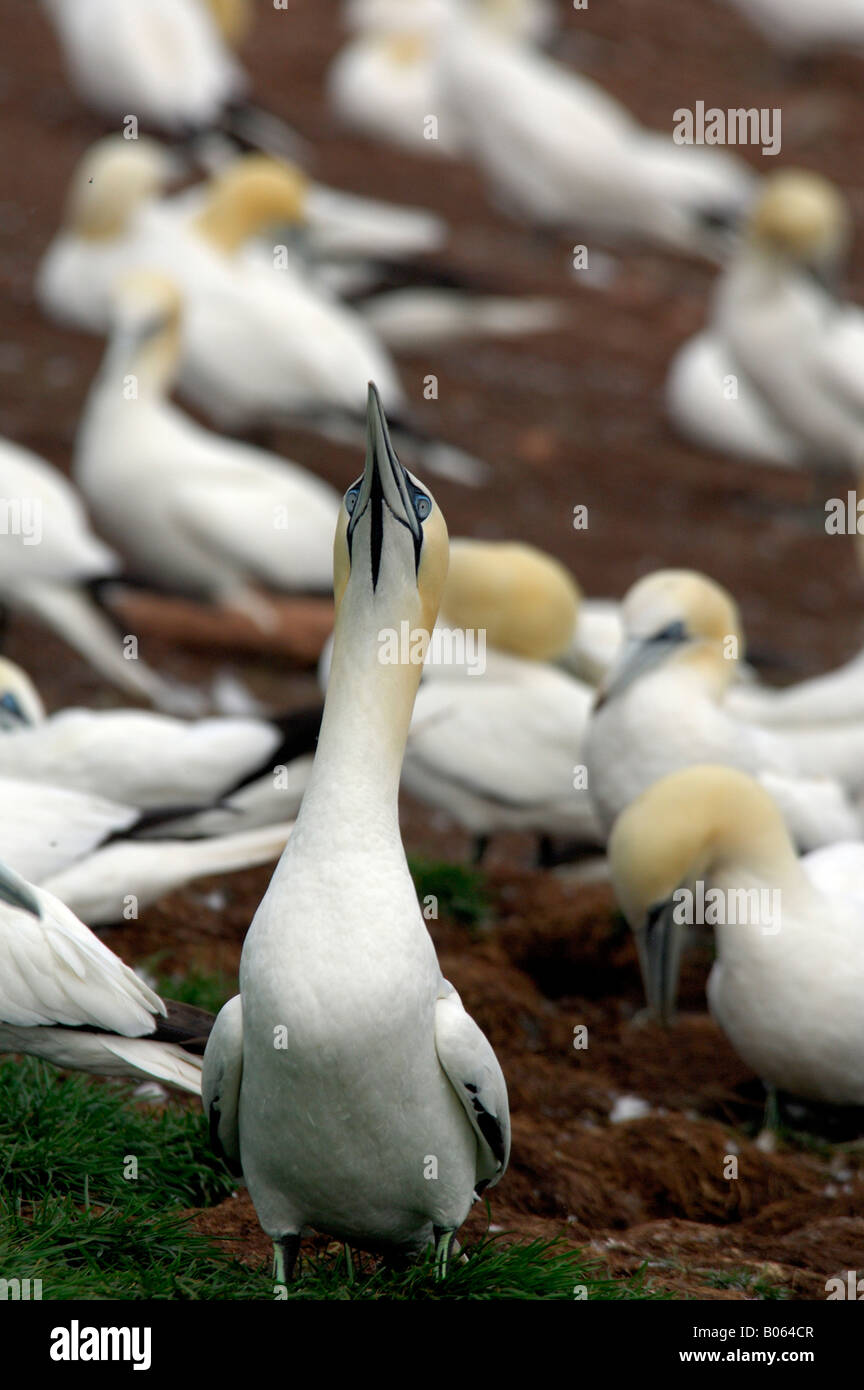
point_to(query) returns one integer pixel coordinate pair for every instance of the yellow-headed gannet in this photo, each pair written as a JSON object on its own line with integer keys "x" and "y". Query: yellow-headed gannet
{"x": 781, "y": 339}
{"x": 709, "y": 845}
{"x": 53, "y": 567}
{"x": 662, "y": 707}
{"x": 68, "y": 999}
{"x": 346, "y": 1078}
{"x": 193, "y": 512}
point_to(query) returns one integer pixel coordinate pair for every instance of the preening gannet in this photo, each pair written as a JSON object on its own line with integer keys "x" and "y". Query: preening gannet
{"x": 84, "y": 848}
{"x": 193, "y": 512}
{"x": 559, "y": 153}
{"x": 796, "y": 353}
{"x": 346, "y": 1070}
{"x": 662, "y": 707}
{"x": 51, "y": 565}
{"x": 787, "y": 984}
{"x": 68, "y": 999}
{"x": 250, "y": 772}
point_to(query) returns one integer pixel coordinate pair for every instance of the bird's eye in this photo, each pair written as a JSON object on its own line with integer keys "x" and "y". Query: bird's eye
{"x": 422, "y": 506}
{"x": 351, "y": 499}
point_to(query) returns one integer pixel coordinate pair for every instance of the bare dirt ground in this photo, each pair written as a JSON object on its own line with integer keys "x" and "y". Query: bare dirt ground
{"x": 571, "y": 417}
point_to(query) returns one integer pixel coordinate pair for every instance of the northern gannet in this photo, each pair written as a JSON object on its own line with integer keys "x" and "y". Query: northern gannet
{"x": 779, "y": 332}
{"x": 249, "y": 771}
{"x": 163, "y": 61}
{"x": 560, "y": 153}
{"x": 52, "y": 567}
{"x": 84, "y": 848}
{"x": 374, "y": 1071}
{"x": 193, "y": 512}
{"x": 65, "y": 997}
{"x": 386, "y": 80}
{"x": 787, "y": 983}
{"x": 662, "y": 707}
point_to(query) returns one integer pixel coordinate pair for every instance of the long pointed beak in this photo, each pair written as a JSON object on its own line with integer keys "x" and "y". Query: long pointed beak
{"x": 637, "y": 657}
{"x": 659, "y": 942}
{"x": 384, "y": 489}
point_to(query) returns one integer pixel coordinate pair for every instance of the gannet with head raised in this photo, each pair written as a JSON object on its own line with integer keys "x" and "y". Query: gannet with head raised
{"x": 787, "y": 983}
{"x": 347, "y": 1065}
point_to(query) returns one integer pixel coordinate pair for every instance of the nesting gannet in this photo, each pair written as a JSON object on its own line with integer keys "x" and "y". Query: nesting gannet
{"x": 192, "y": 512}
{"x": 248, "y": 771}
{"x": 662, "y": 707}
{"x": 347, "y": 1064}
{"x": 560, "y": 153}
{"x": 795, "y": 351}
{"x": 52, "y": 567}
{"x": 65, "y": 997}
{"x": 787, "y": 983}
{"x": 85, "y": 849}
{"x": 800, "y": 28}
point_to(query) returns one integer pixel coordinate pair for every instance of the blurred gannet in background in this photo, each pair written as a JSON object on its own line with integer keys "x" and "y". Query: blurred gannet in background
{"x": 380, "y": 1064}
{"x": 194, "y": 513}
{"x": 662, "y": 707}
{"x": 787, "y": 984}
{"x": 251, "y": 772}
{"x": 81, "y": 847}
{"x": 65, "y": 997}
{"x": 777, "y": 328}
{"x": 560, "y": 153}
{"x": 114, "y": 197}
{"x": 799, "y": 27}
{"x": 52, "y": 567}
{"x": 167, "y": 63}
{"x": 163, "y": 61}
{"x": 386, "y": 82}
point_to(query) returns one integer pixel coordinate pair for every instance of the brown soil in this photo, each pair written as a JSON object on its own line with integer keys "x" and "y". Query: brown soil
{"x": 572, "y": 416}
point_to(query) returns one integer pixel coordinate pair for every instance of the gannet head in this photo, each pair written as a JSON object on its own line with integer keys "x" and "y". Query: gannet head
{"x": 254, "y": 192}
{"x": 677, "y": 616}
{"x": 526, "y": 601}
{"x": 683, "y": 829}
{"x": 115, "y": 177}
{"x": 801, "y": 217}
{"x": 391, "y": 549}
{"x": 20, "y": 704}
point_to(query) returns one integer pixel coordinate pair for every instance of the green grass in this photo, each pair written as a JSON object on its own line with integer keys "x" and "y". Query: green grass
{"x": 194, "y": 987}
{"x": 69, "y": 1216}
{"x": 747, "y": 1282}
{"x": 459, "y": 890}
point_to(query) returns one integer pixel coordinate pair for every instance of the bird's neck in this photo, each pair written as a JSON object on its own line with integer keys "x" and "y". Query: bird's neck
{"x": 148, "y": 369}
{"x": 353, "y": 788}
